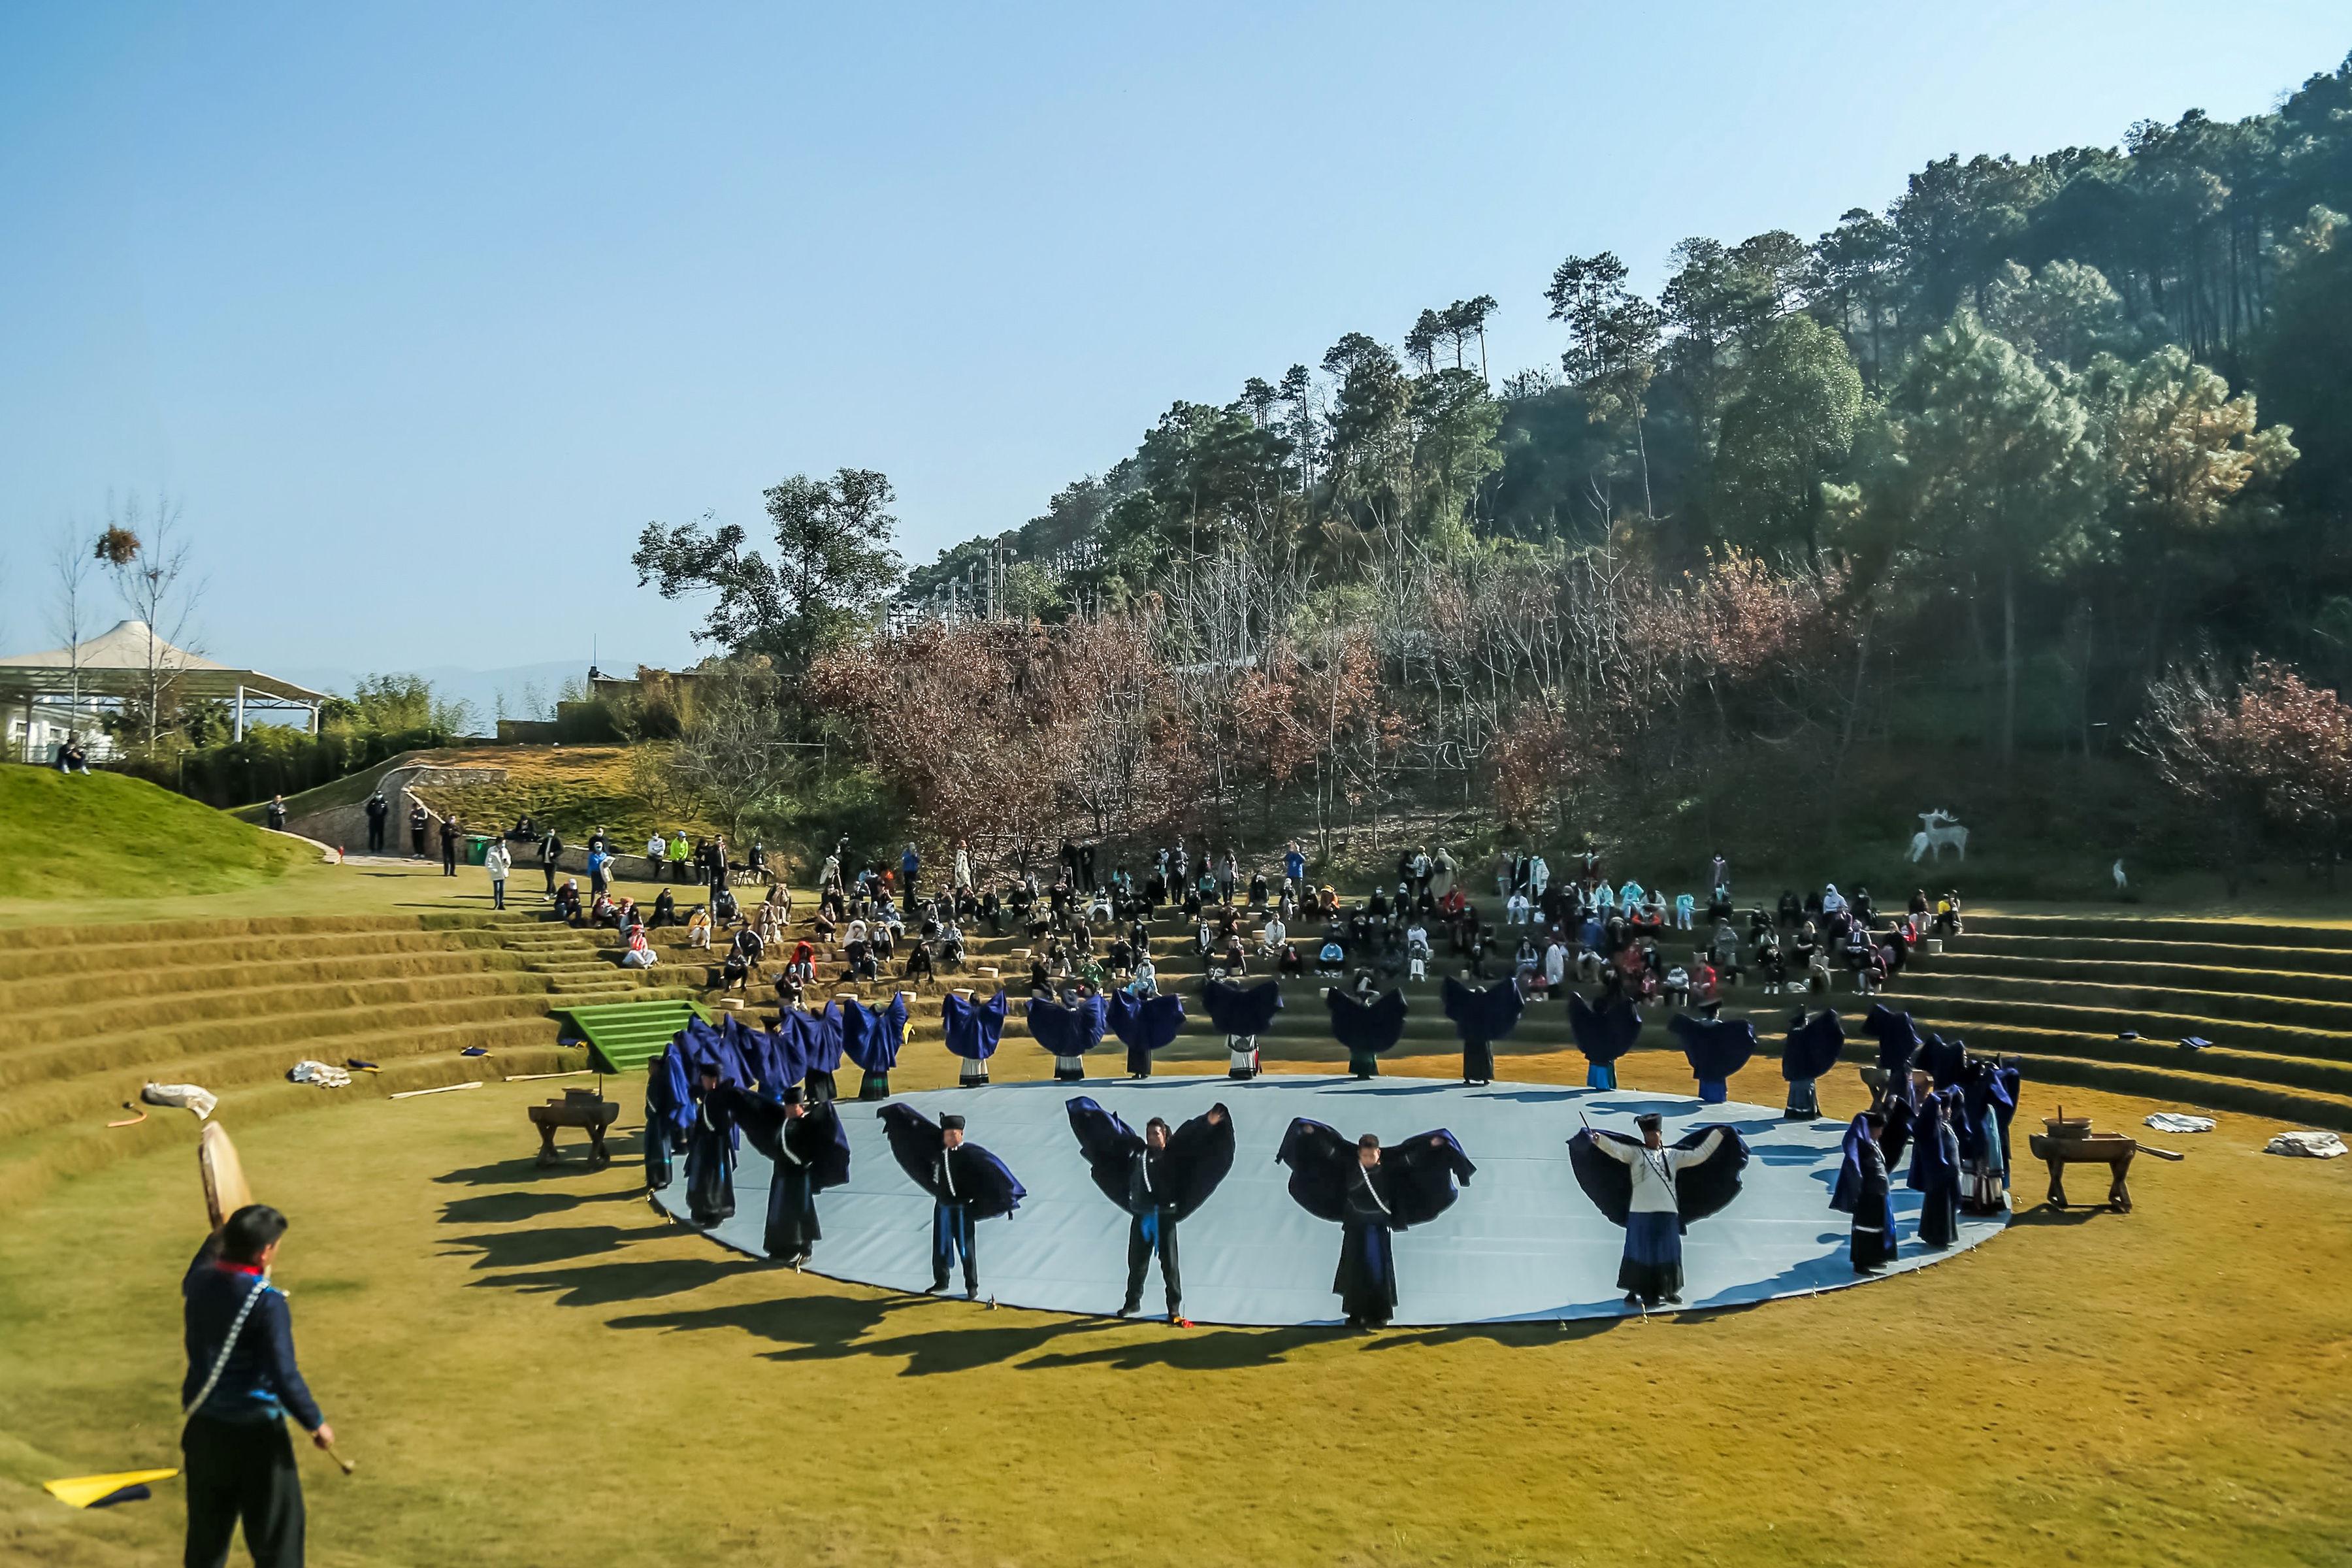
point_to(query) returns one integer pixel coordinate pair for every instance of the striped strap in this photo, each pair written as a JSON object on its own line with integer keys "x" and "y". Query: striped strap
{"x": 220, "y": 1363}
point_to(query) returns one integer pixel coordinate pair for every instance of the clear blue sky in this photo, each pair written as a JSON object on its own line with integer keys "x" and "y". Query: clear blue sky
{"x": 471, "y": 293}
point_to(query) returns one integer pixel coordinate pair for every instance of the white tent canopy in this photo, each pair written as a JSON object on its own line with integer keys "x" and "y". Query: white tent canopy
{"x": 130, "y": 660}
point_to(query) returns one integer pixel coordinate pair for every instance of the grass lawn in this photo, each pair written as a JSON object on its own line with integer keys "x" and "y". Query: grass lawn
{"x": 104, "y": 836}
{"x": 534, "y": 1368}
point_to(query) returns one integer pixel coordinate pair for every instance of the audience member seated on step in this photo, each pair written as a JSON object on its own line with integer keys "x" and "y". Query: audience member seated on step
{"x": 951, "y": 948}
{"x": 639, "y": 954}
{"x": 1947, "y": 915}
{"x": 698, "y": 929}
{"x": 884, "y": 940}
{"x": 1229, "y": 964}
{"x": 723, "y": 908}
{"x": 604, "y": 911}
{"x": 918, "y": 964}
{"x": 1860, "y": 952}
{"x": 567, "y": 901}
{"x": 1270, "y": 939}
{"x": 1686, "y": 907}
{"x": 1527, "y": 963}
{"x": 1724, "y": 952}
{"x": 1290, "y": 962}
{"x": 1515, "y": 908}
{"x": 630, "y": 918}
{"x": 664, "y": 910}
{"x": 1332, "y": 961}
{"x": 1678, "y": 987}
{"x": 802, "y": 966}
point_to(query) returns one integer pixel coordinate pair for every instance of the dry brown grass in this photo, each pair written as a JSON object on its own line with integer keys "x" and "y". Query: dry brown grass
{"x": 533, "y": 1368}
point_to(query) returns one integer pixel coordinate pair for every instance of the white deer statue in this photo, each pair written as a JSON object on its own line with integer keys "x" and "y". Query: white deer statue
{"x": 1937, "y": 829}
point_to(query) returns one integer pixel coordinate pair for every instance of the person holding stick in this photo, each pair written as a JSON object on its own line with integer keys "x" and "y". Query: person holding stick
{"x": 242, "y": 1383}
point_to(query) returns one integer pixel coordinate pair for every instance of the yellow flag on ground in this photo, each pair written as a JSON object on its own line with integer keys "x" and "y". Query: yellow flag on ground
{"x": 83, "y": 1490}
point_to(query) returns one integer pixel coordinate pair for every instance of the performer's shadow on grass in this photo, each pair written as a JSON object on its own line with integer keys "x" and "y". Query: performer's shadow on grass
{"x": 537, "y": 1245}
{"x": 507, "y": 1208}
{"x": 604, "y": 1284}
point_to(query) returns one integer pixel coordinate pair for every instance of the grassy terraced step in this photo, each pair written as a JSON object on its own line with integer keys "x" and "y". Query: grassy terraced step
{"x": 59, "y": 990}
{"x": 2219, "y": 1061}
{"x": 624, "y": 1037}
{"x": 2126, "y": 1004}
{"x": 43, "y": 1025}
{"x": 2161, "y": 929}
{"x": 2043, "y": 1072}
{"x": 2250, "y": 957}
{"x": 29, "y": 1161}
{"x": 2148, "y": 973}
{"x": 1970, "y": 1012}
{"x": 100, "y": 1090}
{"x": 104, "y": 958}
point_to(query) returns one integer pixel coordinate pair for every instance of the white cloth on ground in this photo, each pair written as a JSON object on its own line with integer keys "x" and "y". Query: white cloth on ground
{"x": 184, "y": 1096}
{"x": 323, "y": 1074}
{"x": 2172, "y": 1122}
{"x": 2312, "y": 1145}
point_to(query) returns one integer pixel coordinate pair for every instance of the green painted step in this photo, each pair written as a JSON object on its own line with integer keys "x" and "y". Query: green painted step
{"x": 624, "y": 1036}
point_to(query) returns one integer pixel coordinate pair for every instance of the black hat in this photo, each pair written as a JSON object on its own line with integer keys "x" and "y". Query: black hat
{"x": 1648, "y": 1120}
{"x": 950, "y": 1123}
{"x": 793, "y": 1095}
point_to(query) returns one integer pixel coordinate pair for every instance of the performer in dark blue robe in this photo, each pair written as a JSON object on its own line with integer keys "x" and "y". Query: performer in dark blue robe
{"x": 1865, "y": 1191}
{"x": 966, "y": 1184}
{"x": 1943, "y": 1059}
{"x": 1160, "y": 1179}
{"x": 1935, "y": 1170}
{"x": 1716, "y": 1049}
{"x": 1365, "y": 1026}
{"x": 1898, "y": 1041}
{"x": 1814, "y": 1047}
{"x": 872, "y": 1038}
{"x": 822, "y": 1042}
{"x": 1481, "y": 1014}
{"x": 1241, "y": 1014}
{"x": 669, "y": 1111}
{"x": 1372, "y": 1192}
{"x": 973, "y": 1030}
{"x": 811, "y": 1152}
{"x": 711, "y": 1141}
{"x": 1069, "y": 1032}
{"x": 1143, "y": 1025}
{"x": 1603, "y": 1035}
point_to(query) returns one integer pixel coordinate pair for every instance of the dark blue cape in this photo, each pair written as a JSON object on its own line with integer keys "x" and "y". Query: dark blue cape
{"x": 1366, "y": 1029}
{"x": 983, "y": 1182}
{"x": 1928, "y": 1170}
{"x": 1146, "y": 1023}
{"x": 1241, "y": 1009}
{"x": 1198, "y": 1157}
{"x": 669, "y": 1098}
{"x": 705, "y": 1044}
{"x": 1898, "y": 1042}
{"x": 873, "y": 1040}
{"x": 1418, "y": 1175}
{"x": 817, "y": 1138}
{"x": 1603, "y": 1036}
{"x": 1943, "y": 1061}
{"x": 1814, "y": 1045}
{"x": 1700, "y": 1190}
{"x": 972, "y": 1028}
{"x": 1848, "y": 1191}
{"x": 823, "y": 1039}
{"x": 1068, "y": 1031}
{"x": 1716, "y": 1048}
{"x": 1481, "y": 1014}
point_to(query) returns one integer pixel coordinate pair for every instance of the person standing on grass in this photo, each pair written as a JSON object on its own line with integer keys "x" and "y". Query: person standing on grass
{"x": 448, "y": 846}
{"x": 499, "y": 862}
{"x": 242, "y": 1383}
{"x": 417, "y": 823}
{"x": 378, "y": 808}
{"x": 550, "y": 855}
{"x": 277, "y": 813}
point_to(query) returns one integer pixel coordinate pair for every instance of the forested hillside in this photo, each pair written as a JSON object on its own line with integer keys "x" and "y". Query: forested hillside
{"x": 2026, "y": 469}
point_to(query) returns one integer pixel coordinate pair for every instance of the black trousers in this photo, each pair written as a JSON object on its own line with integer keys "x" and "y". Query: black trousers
{"x": 416, "y": 841}
{"x": 375, "y": 837}
{"x": 242, "y": 1471}
{"x": 1140, "y": 1248}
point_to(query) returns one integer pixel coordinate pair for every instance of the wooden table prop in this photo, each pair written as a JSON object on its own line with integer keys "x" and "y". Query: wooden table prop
{"x": 2069, "y": 1141}
{"x": 585, "y": 1108}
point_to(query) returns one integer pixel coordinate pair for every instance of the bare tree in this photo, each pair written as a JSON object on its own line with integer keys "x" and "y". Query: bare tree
{"x": 71, "y": 559}
{"x": 736, "y": 757}
{"x": 151, "y": 573}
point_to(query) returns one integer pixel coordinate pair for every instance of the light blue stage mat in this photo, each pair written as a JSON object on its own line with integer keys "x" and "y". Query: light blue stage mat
{"x": 1523, "y": 1242}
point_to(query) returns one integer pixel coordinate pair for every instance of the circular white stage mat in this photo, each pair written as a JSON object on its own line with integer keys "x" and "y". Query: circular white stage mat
{"x": 1522, "y": 1243}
